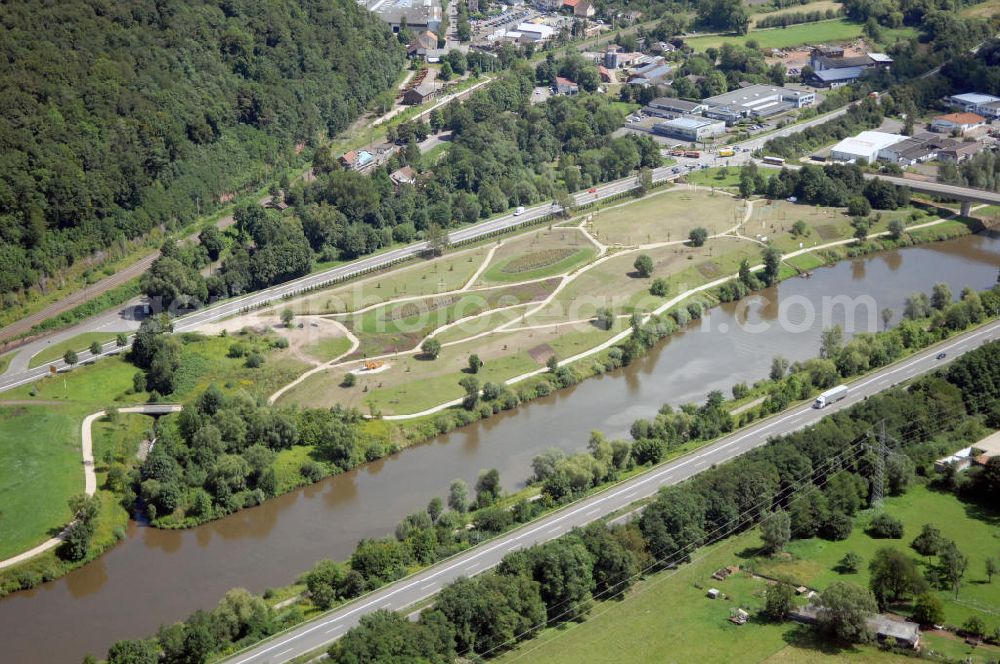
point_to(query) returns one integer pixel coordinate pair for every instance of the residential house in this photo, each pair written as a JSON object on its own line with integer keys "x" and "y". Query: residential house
{"x": 404, "y": 175}
{"x": 605, "y": 74}
{"x": 356, "y": 160}
{"x": 957, "y": 122}
{"x": 581, "y": 8}
{"x": 564, "y": 86}
{"x": 419, "y": 94}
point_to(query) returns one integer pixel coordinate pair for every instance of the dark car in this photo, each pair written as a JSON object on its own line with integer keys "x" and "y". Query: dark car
{"x": 941, "y": 356}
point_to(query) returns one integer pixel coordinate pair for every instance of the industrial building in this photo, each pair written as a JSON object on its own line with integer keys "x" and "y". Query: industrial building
{"x": 974, "y": 102}
{"x": 865, "y": 147}
{"x": 690, "y": 128}
{"x": 756, "y": 101}
{"x": 419, "y": 14}
{"x": 671, "y": 107}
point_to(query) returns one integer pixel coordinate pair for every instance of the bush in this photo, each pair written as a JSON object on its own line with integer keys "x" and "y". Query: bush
{"x": 643, "y": 265}
{"x": 698, "y": 236}
{"x": 254, "y": 360}
{"x": 660, "y": 287}
{"x": 348, "y": 380}
{"x": 312, "y": 471}
{"x": 884, "y": 526}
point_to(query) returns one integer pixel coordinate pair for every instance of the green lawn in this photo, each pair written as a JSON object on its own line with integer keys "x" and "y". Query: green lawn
{"x": 40, "y": 468}
{"x": 667, "y": 216}
{"x": 327, "y": 349}
{"x": 5, "y": 362}
{"x": 975, "y": 531}
{"x": 714, "y": 177}
{"x": 80, "y": 342}
{"x": 507, "y": 270}
{"x": 668, "y": 618}
{"x": 836, "y": 30}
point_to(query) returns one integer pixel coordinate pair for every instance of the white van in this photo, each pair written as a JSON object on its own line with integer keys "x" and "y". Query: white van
{"x": 519, "y": 211}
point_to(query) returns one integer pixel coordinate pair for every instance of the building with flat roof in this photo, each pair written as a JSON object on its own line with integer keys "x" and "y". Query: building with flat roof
{"x": 865, "y": 147}
{"x": 419, "y": 14}
{"x": 690, "y": 128}
{"x": 835, "y": 78}
{"x": 976, "y": 102}
{"x": 756, "y": 101}
{"x": 535, "y": 32}
{"x": 917, "y": 149}
{"x": 671, "y": 107}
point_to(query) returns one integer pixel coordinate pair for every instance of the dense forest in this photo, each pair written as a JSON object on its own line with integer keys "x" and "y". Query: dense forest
{"x": 121, "y": 116}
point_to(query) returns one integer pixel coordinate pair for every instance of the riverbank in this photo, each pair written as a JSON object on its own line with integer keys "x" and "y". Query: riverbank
{"x": 256, "y": 548}
{"x": 537, "y": 383}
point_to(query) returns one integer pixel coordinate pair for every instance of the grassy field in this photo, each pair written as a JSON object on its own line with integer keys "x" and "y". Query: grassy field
{"x": 837, "y": 30}
{"x": 821, "y": 5}
{"x": 5, "y": 362}
{"x": 424, "y": 277}
{"x": 982, "y": 10}
{"x": 78, "y": 343}
{"x": 668, "y": 618}
{"x": 325, "y": 350}
{"x": 536, "y": 255}
{"x": 715, "y": 177}
{"x": 812, "y": 562}
{"x": 40, "y": 468}
{"x": 667, "y": 216}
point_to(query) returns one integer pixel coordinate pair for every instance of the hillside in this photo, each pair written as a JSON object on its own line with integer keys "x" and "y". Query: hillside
{"x": 120, "y": 115}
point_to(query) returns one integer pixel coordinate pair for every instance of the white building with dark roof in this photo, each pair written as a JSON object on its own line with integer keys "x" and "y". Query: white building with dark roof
{"x": 756, "y": 101}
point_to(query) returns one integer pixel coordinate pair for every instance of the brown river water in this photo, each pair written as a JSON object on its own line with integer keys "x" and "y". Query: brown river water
{"x": 157, "y": 576}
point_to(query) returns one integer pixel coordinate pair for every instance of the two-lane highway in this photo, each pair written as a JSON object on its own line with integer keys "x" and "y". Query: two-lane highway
{"x": 327, "y": 628}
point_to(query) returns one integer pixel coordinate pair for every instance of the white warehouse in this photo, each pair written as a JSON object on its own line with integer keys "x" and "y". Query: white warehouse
{"x": 864, "y": 147}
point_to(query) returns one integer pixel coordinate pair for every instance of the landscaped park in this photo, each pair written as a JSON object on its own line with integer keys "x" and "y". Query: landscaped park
{"x": 398, "y": 343}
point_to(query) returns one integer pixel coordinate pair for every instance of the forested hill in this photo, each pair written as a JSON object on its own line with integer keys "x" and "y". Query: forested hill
{"x": 119, "y": 115}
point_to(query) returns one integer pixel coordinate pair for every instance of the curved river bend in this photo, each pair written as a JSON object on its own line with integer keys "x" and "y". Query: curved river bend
{"x": 158, "y": 576}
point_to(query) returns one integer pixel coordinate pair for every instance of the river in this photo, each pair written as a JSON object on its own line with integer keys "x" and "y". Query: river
{"x": 157, "y": 576}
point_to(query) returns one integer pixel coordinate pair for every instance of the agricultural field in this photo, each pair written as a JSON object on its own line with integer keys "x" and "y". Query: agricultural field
{"x": 982, "y": 10}
{"x": 820, "y": 5}
{"x": 667, "y": 217}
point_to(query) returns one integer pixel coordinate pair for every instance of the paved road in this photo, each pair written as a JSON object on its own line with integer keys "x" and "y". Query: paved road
{"x": 13, "y": 378}
{"x": 398, "y": 596}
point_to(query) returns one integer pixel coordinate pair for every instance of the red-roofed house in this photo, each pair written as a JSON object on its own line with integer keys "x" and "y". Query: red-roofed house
{"x": 582, "y": 8}
{"x": 962, "y": 122}
{"x": 564, "y": 86}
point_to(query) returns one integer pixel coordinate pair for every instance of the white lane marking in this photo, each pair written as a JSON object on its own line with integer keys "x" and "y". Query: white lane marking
{"x": 330, "y": 631}
{"x": 427, "y": 585}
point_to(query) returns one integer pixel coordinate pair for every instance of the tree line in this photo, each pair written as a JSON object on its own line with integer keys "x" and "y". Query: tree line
{"x": 795, "y": 18}
{"x": 505, "y": 152}
{"x": 124, "y": 121}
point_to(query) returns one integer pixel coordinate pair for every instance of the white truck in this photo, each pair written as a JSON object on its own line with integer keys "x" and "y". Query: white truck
{"x": 830, "y": 396}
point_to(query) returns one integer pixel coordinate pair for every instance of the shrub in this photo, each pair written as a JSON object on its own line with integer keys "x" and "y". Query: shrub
{"x": 660, "y": 287}
{"x": 698, "y": 236}
{"x": 254, "y": 360}
{"x": 348, "y": 380}
{"x": 884, "y": 526}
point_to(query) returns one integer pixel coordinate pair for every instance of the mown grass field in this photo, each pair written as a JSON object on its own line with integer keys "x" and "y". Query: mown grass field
{"x": 78, "y": 343}
{"x": 325, "y": 350}
{"x": 836, "y": 30}
{"x": 40, "y": 469}
{"x": 537, "y": 255}
{"x": 728, "y": 178}
{"x": 425, "y": 277}
{"x": 667, "y": 217}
